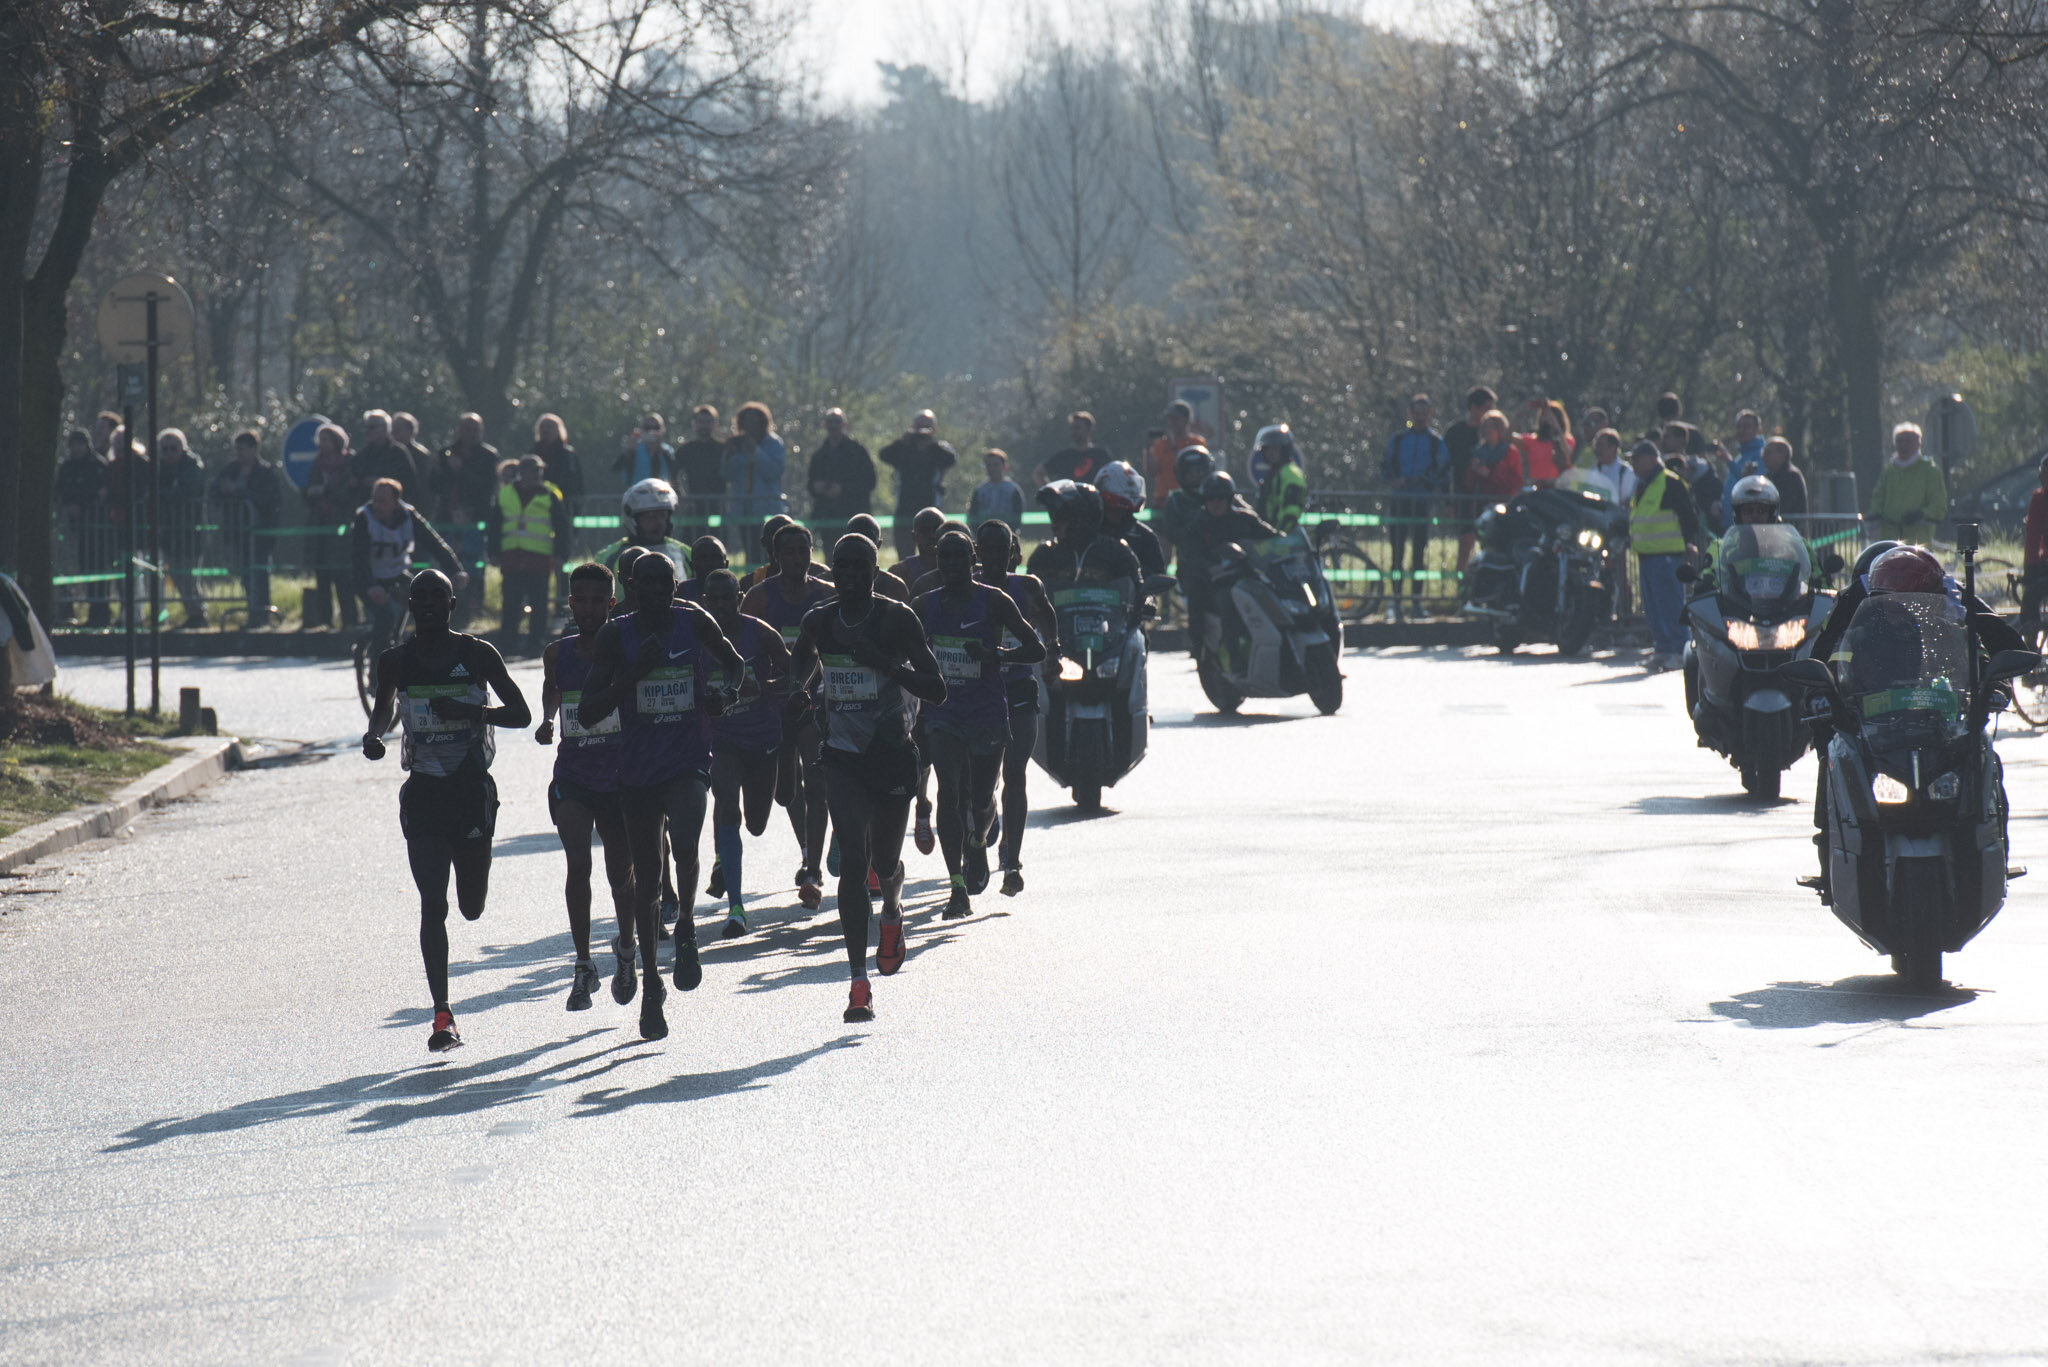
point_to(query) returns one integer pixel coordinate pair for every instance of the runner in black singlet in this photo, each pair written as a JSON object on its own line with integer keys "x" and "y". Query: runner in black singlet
{"x": 876, "y": 665}
{"x": 781, "y": 601}
{"x": 448, "y": 807}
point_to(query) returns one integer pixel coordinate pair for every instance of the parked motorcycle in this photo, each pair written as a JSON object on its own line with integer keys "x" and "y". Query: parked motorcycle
{"x": 1915, "y": 828}
{"x": 1271, "y": 630}
{"x": 1758, "y": 607}
{"x": 1094, "y": 719}
{"x": 1546, "y": 567}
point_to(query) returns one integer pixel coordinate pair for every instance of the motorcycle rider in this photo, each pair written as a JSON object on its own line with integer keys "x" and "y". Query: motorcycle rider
{"x": 1227, "y": 523}
{"x": 1123, "y": 494}
{"x": 648, "y": 510}
{"x": 1176, "y": 520}
{"x": 1080, "y": 551}
{"x": 1283, "y": 494}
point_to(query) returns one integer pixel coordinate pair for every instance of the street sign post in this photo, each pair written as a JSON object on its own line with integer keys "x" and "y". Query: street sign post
{"x": 140, "y": 316}
{"x": 301, "y": 445}
{"x": 1950, "y": 432}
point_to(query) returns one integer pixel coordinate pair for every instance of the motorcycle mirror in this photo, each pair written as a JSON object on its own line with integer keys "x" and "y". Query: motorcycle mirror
{"x": 1832, "y": 565}
{"x": 1156, "y": 584}
{"x": 1809, "y": 673}
{"x": 2010, "y": 664}
{"x": 1686, "y": 574}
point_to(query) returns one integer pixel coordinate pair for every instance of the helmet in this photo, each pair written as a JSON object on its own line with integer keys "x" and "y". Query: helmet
{"x": 1192, "y": 466}
{"x": 1869, "y": 558}
{"x": 1276, "y": 436}
{"x": 1219, "y": 484}
{"x": 1906, "y": 569}
{"x": 1072, "y": 502}
{"x": 1122, "y": 487}
{"x": 1751, "y": 490}
{"x": 649, "y": 496}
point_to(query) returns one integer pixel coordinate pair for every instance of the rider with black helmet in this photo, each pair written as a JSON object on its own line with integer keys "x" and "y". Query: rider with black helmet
{"x": 1080, "y": 552}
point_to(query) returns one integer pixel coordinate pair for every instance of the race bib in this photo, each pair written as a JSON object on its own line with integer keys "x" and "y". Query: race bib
{"x": 790, "y": 633}
{"x": 747, "y": 699}
{"x": 573, "y": 729}
{"x": 847, "y": 682}
{"x": 955, "y": 664}
{"x": 666, "y": 693}
{"x": 420, "y": 719}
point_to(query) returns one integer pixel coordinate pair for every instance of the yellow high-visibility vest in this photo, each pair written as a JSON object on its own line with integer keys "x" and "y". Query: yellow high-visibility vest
{"x": 526, "y": 528}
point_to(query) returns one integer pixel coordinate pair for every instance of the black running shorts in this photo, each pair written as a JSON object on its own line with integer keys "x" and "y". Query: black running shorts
{"x": 887, "y": 773}
{"x": 458, "y": 807}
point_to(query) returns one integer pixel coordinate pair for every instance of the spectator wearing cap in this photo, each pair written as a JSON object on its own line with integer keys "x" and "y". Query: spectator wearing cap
{"x": 1911, "y": 496}
{"x": 920, "y": 460}
{"x": 842, "y": 473}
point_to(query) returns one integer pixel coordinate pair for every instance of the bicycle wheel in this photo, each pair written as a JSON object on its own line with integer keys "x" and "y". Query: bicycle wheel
{"x": 366, "y": 668}
{"x": 2030, "y": 691}
{"x": 1355, "y": 580}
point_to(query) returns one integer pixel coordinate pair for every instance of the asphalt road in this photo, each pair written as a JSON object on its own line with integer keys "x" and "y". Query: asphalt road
{"x": 1478, "y": 1023}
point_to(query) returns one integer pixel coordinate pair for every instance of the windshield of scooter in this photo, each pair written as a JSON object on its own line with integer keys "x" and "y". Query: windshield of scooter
{"x": 1091, "y": 616}
{"x": 1905, "y": 664}
{"x": 1763, "y": 568}
{"x": 1288, "y": 563}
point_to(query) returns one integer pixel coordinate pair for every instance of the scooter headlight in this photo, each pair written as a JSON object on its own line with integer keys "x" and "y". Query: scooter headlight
{"x": 1107, "y": 669}
{"x": 1890, "y": 792}
{"x": 1071, "y": 671}
{"x": 1946, "y": 787}
{"x": 1744, "y": 635}
{"x": 1591, "y": 539}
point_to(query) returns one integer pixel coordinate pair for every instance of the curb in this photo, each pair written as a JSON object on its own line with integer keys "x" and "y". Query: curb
{"x": 207, "y": 759}
{"x": 188, "y": 645}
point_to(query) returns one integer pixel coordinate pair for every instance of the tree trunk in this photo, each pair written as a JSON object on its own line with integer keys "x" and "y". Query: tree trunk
{"x": 41, "y": 435}
{"x": 1853, "y": 313}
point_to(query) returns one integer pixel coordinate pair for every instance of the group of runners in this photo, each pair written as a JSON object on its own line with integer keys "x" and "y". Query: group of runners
{"x": 835, "y": 691}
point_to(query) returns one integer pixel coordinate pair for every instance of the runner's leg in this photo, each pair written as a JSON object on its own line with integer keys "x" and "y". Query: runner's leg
{"x": 618, "y": 867}
{"x": 430, "y": 857}
{"x": 757, "y": 789}
{"x": 728, "y": 773}
{"x": 472, "y": 876}
{"x": 852, "y": 814}
{"x": 1016, "y": 772}
{"x": 984, "y": 772}
{"x": 684, "y": 801}
{"x": 640, "y": 814}
{"x": 949, "y": 760}
{"x": 573, "y": 822}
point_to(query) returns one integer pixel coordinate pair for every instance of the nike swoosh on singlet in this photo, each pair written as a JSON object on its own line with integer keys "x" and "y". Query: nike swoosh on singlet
{"x": 678, "y": 654}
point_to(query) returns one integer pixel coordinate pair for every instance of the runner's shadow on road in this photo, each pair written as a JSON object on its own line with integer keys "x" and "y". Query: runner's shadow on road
{"x": 537, "y": 842}
{"x": 700, "y": 1086}
{"x": 1867, "y": 999}
{"x": 924, "y": 931}
{"x": 391, "y": 1095}
{"x": 1065, "y": 816}
{"x": 1232, "y": 719}
{"x": 549, "y": 963}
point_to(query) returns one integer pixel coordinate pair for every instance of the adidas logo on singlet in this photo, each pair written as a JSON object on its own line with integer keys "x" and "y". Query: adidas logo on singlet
{"x": 458, "y": 673}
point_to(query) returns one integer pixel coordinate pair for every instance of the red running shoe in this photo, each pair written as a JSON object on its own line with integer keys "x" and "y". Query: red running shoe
{"x": 445, "y": 1036}
{"x": 874, "y": 881}
{"x": 889, "y": 951}
{"x": 860, "y": 1003}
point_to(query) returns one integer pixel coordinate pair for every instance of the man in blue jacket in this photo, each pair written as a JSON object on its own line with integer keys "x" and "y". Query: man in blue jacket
{"x": 1415, "y": 465}
{"x": 1746, "y": 460}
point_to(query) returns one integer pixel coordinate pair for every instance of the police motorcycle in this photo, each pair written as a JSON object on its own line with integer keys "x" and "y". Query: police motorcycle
{"x": 1757, "y": 607}
{"x": 1270, "y": 627}
{"x": 1094, "y": 717}
{"x": 1914, "y": 827}
{"x": 1546, "y": 567}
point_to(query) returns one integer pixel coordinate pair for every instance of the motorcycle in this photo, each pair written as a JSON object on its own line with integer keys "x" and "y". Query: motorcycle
{"x": 1546, "y": 567}
{"x": 1915, "y": 820}
{"x": 1095, "y": 723}
{"x": 1756, "y": 610}
{"x": 1271, "y": 629}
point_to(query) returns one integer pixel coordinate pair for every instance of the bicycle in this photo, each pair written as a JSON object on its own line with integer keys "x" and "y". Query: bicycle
{"x": 367, "y": 648}
{"x": 2030, "y": 691}
{"x": 1355, "y": 579}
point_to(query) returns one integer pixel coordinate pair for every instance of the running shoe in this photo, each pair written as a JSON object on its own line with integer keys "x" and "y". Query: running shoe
{"x": 995, "y": 829}
{"x": 974, "y": 863}
{"x": 809, "y": 888}
{"x": 689, "y": 972}
{"x": 957, "y": 906}
{"x": 889, "y": 950}
{"x": 735, "y": 923}
{"x": 1013, "y": 882}
{"x": 874, "y": 880}
{"x": 670, "y": 907}
{"x": 625, "y": 980}
{"x": 586, "y": 983}
{"x": 860, "y": 1002}
{"x": 716, "y": 887}
{"x": 925, "y": 838}
{"x": 653, "y": 1024}
{"x": 445, "y": 1036}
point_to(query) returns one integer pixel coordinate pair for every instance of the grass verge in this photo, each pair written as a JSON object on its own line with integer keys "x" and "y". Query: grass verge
{"x": 56, "y": 754}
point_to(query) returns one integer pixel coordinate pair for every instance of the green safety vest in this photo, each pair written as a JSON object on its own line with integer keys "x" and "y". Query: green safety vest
{"x": 1275, "y": 505}
{"x": 526, "y": 528}
{"x": 1652, "y": 528}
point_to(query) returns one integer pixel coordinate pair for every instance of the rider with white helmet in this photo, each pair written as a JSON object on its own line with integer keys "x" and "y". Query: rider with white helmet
{"x": 1123, "y": 494}
{"x": 648, "y": 510}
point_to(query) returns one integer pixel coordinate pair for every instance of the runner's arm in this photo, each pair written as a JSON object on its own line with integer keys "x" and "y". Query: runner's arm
{"x": 1030, "y": 649}
{"x": 921, "y": 678}
{"x": 712, "y": 638}
{"x": 550, "y": 695}
{"x": 803, "y": 663}
{"x": 775, "y": 654}
{"x": 436, "y": 546}
{"x": 386, "y": 706}
{"x": 602, "y": 688}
